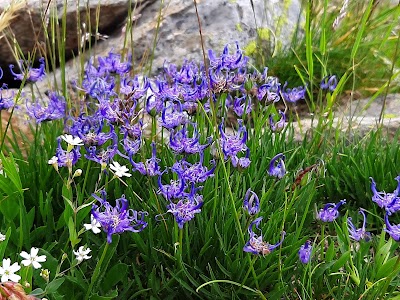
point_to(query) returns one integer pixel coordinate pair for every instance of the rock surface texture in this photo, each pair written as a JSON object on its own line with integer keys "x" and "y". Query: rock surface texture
{"x": 35, "y": 18}
{"x": 222, "y": 22}
{"x": 173, "y": 23}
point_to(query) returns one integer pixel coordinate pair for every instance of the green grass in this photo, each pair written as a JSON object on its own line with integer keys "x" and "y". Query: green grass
{"x": 44, "y": 208}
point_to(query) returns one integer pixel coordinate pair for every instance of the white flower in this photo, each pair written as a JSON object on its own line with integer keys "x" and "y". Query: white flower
{"x": 94, "y": 225}
{"x": 2, "y": 237}
{"x": 82, "y": 254}
{"x": 53, "y": 160}
{"x": 32, "y": 258}
{"x": 119, "y": 170}
{"x": 7, "y": 271}
{"x": 71, "y": 140}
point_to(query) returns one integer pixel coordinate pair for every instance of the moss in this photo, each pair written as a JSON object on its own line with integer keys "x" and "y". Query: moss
{"x": 251, "y": 48}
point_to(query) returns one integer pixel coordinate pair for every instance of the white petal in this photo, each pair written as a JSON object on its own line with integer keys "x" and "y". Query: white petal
{"x": 88, "y": 226}
{"x": 96, "y": 230}
{"x": 26, "y": 262}
{"x": 15, "y": 267}
{"x": 41, "y": 258}
{"x": 36, "y": 265}
{"x": 34, "y": 251}
{"x": 15, "y": 277}
{"x": 6, "y": 263}
{"x": 25, "y": 255}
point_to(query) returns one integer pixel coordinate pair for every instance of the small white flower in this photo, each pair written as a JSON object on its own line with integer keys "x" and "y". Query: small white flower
{"x": 2, "y": 237}
{"x": 72, "y": 140}
{"x": 53, "y": 160}
{"x": 7, "y": 271}
{"x": 119, "y": 171}
{"x": 94, "y": 225}
{"x": 32, "y": 258}
{"x": 82, "y": 254}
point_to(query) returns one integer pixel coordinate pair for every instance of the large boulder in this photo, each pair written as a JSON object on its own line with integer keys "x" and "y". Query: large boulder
{"x": 222, "y": 22}
{"x": 31, "y": 20}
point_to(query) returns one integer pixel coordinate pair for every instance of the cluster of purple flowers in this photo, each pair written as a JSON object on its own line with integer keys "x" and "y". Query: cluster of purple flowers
{"x": 391, "y": 203}
{"x": 109, "y": 124}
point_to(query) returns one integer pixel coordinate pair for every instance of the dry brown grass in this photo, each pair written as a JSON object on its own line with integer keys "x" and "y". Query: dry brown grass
{"x": 10, "y": 13}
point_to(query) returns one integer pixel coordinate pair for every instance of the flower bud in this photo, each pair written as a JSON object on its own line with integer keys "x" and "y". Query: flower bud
{"x": 77, "y": 173}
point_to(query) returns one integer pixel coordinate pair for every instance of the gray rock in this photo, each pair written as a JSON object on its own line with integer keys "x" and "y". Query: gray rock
{"x": 31, "y": 22}
{"x": 222, "y": 22}
{"x": 359, "y": 117}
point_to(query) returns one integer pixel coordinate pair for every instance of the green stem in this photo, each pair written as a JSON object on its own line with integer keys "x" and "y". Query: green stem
{"x": 180, "y": 247}
{"x": 96, "y": 272}
{"x": 85, "y": 180}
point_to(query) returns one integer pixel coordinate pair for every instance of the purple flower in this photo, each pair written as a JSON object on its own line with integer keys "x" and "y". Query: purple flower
{"x": 393, "y": 230}
{"x": 54, "y": 111}
{"x": 269, "y": 92}
{"x": 5, "y": 101}
{"x": 232, "y": 144}
{"x": 228, "y": 61}
{"x": 196, "y": 172}
{"x": 101, "y": 155}
{"x": 389, "y": 201}
{"x": 100, "y": 87}
{"x": 279, "y": 125}
{"x": 186, "y": 75}
{"x": 172, "y": 115}
{"x": 256, "y": 245}
{"x": 361, "y": 233}
{"x": 31, "y": 74}
{"x": 130, "y": 145}
{"x": 277, "y": 170}
{"x": 330, "y": 211}
{"x": 118, "y": 219}
{"x": 293, "y": 95}
{"x": 181, "y": 143}
{"x": 66, "y": 158}
{"x": 305, "y": 252}
{"x": 163, "y": 91}
{"x": 134, "y": 88}
{"x": 251, "y": 203}
{"x": 112, "y": 63}
{"x": 242, "y": 162}
{"x": 241, "y": 105}
{"x": 154, "y": 105}
{"x": 329, "y": 82}
{"x": 173, "y": 190}
{"x": 186, "y": 208}
{"x": 90, "y": 129}
{"x": 150, "y": 167}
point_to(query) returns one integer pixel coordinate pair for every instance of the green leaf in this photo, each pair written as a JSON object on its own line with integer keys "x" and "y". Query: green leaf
{"x": 112, "y": 295}
{"x": 330, "y": 253}
{"x": 387, "y": 268}
{"x": 3, "y": 244}
{"x": 54, "y": 285}
{"x": 73, "y": 235}
{"x": 114, "y": 275}
{"x": 341, "y": 261}
{"x": 383, "y": 253}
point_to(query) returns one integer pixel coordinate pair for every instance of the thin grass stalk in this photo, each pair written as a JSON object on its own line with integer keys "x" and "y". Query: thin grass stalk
{"x": 395, "y": 56}
{"x": 309, "y": 53}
